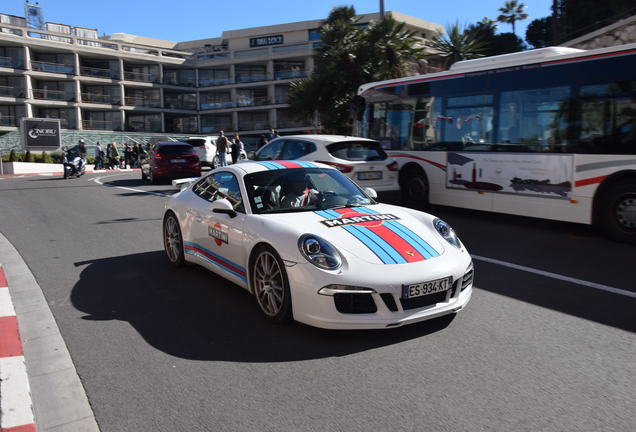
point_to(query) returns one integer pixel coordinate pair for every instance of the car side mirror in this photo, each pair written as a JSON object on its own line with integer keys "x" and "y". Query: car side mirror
{"x": 370, "y": 192}
{"x": 223, "y": 206}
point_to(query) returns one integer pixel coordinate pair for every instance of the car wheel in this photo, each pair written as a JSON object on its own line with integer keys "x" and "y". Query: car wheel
{"x": 173, "y": 240}
{"x": 215, "y": 162}
{"x": 270, "y": 285}
{"x": 618, "y": 211}
{"x": 414, "y": 189}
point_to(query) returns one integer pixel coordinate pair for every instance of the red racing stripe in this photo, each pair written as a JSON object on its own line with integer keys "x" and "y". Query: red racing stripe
{"x": 10, "y": 344}
{"x": 216, "y": 260}
{"x": 288, "y": 164}
{"x": 589, "y": 181}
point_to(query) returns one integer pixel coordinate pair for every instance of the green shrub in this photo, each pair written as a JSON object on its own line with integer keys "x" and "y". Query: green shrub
{"x": 46, "y": 157}
{"x": 90, "y": 160}
{"x": 28, "y": 157}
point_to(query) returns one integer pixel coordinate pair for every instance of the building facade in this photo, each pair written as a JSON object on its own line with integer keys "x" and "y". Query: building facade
{"x": 123, "y": 82}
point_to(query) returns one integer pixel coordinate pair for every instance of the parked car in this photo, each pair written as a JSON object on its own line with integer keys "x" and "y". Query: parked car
{"x": 361, "y": 159}
{"x": 205, "y": 147}
{"x": 313, "y": 246}
{"x": 169, "y": 160}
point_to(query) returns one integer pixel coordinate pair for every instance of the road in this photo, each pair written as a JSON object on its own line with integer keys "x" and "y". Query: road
{"x": 159, "y": 349}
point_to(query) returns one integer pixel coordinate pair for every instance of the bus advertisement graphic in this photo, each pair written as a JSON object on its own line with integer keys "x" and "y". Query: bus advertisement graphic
{"x": 527, "y": 174}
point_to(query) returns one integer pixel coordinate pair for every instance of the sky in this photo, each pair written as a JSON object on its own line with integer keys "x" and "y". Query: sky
{"x": 183, "y": 20}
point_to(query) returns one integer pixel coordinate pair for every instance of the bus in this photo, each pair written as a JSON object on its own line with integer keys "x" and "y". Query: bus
{"x": 547, "y": 133}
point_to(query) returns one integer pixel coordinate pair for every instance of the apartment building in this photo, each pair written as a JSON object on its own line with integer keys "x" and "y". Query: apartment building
{"x": 124, "y": 82}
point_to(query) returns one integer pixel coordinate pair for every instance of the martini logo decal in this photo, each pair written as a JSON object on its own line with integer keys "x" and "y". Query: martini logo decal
{"x": 220, "y": 236}
{"x": 388, "y": 239}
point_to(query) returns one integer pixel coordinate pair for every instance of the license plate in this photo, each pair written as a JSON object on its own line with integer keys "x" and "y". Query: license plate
{"x": 425, "y": 288}
{"x": 370, "y": 175}
{"x": 177, "y": 160}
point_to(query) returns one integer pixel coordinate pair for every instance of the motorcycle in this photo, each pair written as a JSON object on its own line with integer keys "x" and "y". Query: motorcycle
{"x": 74, "y": 163}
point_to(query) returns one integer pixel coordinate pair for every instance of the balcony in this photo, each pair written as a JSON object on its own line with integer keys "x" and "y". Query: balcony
{"x": 252, "y": 78}
{"x": 255, "y": 101}
{"x": 141, "y": 77}
{"x": 180, "y": 106}
{"x": 10, "y": 121}
{"x": 95, "y": 72}
{"x": 216, "y": 128}
{"x": 9, "y": 91}
{"x": 52, "y": 67}
{"x": 291, "y": 74}
{"x": 282, "y": 124}
{"x": 56, "y": 95}
{"x": 101, "y": 125}
{"x": 214, "y": 82}
{"x": 217, "y": 105}
{"x": 253, "y": 125}
{"x": 142, "y": 101}
{"x": 8, "y": 62}
{"x": 100, "y": 98}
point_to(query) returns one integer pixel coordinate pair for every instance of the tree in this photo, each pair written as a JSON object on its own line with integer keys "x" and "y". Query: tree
{"x": 512, "y": 12}
{"x": 539, "y": 32}
{"x": 459, "y": 44}
{"x": 349, "y": 56}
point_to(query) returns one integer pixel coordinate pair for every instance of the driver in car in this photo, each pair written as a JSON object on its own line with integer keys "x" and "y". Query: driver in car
{"x": 297, "y": 192}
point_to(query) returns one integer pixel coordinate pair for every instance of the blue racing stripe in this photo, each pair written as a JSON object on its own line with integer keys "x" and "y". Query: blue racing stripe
{"x": 379, "y": 252}
{"x": 305, "y": 164}
{"x": 395, "y": 255}
{"x": 218, "y": 257}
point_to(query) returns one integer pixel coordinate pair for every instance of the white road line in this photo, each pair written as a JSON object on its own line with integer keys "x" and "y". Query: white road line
{"x": 98, "y": 180}
{"x": 557, "y": 276}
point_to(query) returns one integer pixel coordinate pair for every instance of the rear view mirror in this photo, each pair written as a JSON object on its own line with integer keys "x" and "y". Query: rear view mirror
{"x": 223, "y": 206}
{"x": 370, "y": 192}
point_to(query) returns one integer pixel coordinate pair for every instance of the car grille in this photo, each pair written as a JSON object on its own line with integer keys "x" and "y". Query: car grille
{"x": 427, "y": 300}
{"x": 354, "y": 303}
{"x": 467, "y": 279}
{"x": 389, "y": 301}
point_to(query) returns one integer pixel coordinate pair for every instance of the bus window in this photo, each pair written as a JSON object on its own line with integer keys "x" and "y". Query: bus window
{"x": 424, "y": 134}
{"x": 608, "y": 118}
{"x": 534, "y": 120}
{"x": 467, "y": 122}
{"x": 390, "y": 123}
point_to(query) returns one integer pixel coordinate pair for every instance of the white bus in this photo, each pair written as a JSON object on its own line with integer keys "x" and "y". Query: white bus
{"x": 548, "y": 133}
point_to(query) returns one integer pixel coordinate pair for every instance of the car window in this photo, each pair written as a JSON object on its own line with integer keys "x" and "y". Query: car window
{"x": 196, "y": 142}
{"x": 271, "y": 151}
{"x": 174, "y": 150}
{"x": 296, "y": 149}
{"x": 220, "y": 185}
{"x": 357, "y": 151}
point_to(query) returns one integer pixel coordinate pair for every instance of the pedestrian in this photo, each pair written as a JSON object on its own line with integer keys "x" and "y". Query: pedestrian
{"x": 261, "y": 142}
{"x": 221, "y": 148}
{"x": 99, "y": 156}
{"x": 127, "y": 155}
{"x": 114, "y": 156}
{"x": 135, "y": 155}
{"x": 271, "y": 134}
{"x": 237, "y": 148}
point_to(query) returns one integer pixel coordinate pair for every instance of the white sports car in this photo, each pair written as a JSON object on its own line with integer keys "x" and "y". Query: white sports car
{"x": 314, "y": 247}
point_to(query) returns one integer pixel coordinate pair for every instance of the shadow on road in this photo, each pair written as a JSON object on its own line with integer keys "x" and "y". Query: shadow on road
{"x": 192, "y": 313}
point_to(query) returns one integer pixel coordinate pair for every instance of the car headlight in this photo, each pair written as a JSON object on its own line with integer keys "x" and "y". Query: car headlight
{"x": 319, "y": 252}
{"x": 447, "y": 232}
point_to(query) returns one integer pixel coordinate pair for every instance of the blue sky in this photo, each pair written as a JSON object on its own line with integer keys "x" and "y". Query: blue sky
{"x": 183, "y": 20}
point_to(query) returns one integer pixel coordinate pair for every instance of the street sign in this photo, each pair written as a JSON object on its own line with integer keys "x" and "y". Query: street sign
{"x": 40, "y": 134}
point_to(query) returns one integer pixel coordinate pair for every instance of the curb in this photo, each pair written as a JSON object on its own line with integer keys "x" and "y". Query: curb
{"x": 57, "y": 399}
{"x": 16, "y": 414}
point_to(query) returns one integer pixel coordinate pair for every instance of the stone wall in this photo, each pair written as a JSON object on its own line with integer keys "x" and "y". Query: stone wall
{"x": 619, "y": 33}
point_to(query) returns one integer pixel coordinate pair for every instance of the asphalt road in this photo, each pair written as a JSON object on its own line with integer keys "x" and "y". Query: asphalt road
{"x": 160, "y": 349}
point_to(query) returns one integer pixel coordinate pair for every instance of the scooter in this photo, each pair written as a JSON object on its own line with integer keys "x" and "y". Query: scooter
{"x": 74, "y": 163}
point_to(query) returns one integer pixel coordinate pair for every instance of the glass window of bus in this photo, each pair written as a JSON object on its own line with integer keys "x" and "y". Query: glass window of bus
{"x": 608, "y": 118}
{"x": 425, "y": 130}
{"x": 534, "y": 120}
{"x": 390, "y": 123}
{"x": 467, "y": 122}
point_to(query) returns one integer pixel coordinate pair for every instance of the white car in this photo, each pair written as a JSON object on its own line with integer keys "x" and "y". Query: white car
{"x": 361, "y": 159}
{"x": 205, "y": 147}
{"x": 314, "y": 247}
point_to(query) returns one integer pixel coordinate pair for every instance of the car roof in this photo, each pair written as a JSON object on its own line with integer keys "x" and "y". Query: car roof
{"x": 325, "y": 139}
{"x": 248, "y": 167}
{"x": 165, "y": 143}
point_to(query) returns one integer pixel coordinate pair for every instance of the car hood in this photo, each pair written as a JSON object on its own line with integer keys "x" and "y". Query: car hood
{"x": 378, "y": 234}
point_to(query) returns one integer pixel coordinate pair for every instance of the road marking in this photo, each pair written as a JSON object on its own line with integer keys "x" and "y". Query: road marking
{"x": 557, "y": 276}
{"x": 99, "y": 181}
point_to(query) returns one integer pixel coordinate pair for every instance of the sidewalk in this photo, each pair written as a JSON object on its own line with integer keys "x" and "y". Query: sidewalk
{"x": 89, "y": 170}
{"x": 40, "y": 389}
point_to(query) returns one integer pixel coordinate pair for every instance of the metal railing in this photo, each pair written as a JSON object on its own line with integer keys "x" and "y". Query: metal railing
{"x": 10, "y": 91}
{"x": 98, "y": 72}
{"x": 252, "y": 78}
{"x": 51, "y": 94}
{"x": 41, "y": 66}
{"x": 218, "y": 127}
{"x": 290, "y": 74}
{"x": 100, "y": 98}
{"x": 142, "y": 101}
{"x": 8, "y": 120}
{"x": 255, "y": 101}
{"x": 217, "y": 105}
{"x": 140, "y": 76}
{"x": 253, "y": 125}
{"x": 214, "y": 82}
{"x": 10, "y": 62}
{"x": 179, "y": 105}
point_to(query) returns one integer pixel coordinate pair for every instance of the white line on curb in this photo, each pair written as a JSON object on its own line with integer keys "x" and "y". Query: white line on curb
{"x": 16, "y": 394}
{"x": 557, "y": 276}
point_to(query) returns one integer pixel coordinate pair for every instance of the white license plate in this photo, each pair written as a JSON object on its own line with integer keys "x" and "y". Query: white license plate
{"x": 177, "y": 160}
{"x": 370, "y": 175}
{"x": 425, "y": 288}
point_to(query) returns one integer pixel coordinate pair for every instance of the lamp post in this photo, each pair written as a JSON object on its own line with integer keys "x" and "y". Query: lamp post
{"x": 381, "y": 9}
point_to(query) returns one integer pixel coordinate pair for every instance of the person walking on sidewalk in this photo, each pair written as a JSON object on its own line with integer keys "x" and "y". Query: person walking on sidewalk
{"x": 99, "y": 156}
{"x": 237, "y": 148}
{"x": 221, "y": 148}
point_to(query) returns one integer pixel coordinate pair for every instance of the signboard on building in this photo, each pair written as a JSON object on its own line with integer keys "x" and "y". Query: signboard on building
{"x": 40, "y": 134}
{"x": 266, "y": 40}
{"x": 519, "y": 173}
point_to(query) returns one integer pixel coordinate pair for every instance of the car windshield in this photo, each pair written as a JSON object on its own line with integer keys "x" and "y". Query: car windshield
{"x": 357, "y": 151}
{"x": 302, "y": 189}
{"x": 174, "y": 150}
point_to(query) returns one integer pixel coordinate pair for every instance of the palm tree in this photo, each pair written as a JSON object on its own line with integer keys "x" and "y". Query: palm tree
{"x": 511, "y": 12}
{"x": 458, "y": 44}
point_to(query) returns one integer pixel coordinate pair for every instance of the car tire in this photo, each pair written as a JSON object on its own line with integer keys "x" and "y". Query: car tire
{"x": 215, "y": 162}
{"x": 269, "y": 283}
{"x": 173, "y": 240}
{"x": 414, "y": 189}
{"x": 617, "y": 216}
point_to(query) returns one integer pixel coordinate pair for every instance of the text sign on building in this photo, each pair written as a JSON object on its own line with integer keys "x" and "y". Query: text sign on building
{"x": 266, "y": 40}
{"x": 41, "y": 134}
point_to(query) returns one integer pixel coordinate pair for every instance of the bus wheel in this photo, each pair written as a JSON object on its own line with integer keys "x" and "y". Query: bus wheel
{"x": 414, "y": 189}
{"x": 618, "y": 211}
